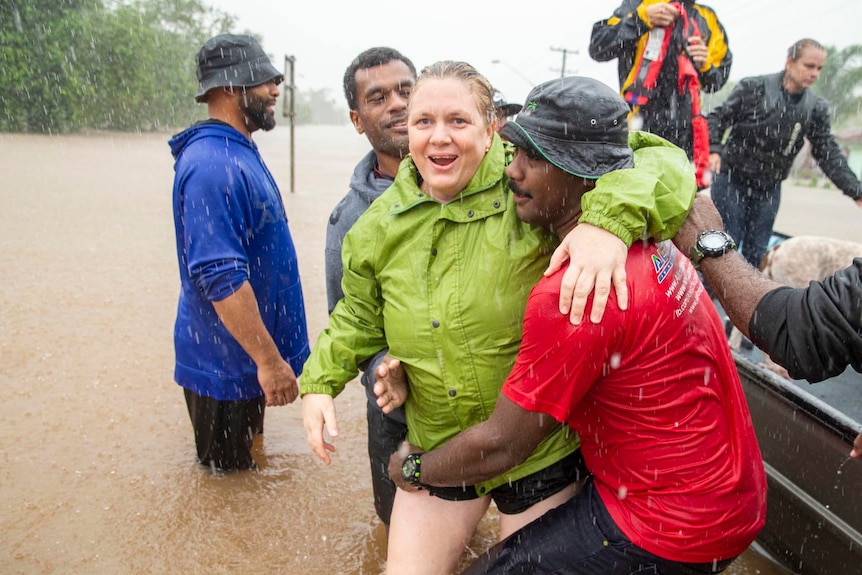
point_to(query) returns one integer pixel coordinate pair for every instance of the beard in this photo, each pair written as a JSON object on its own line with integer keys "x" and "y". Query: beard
{"x": 395, "y": 147}
{"x": 257, "y": 116}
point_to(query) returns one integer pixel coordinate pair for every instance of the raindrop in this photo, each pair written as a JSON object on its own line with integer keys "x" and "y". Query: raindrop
{"x": 840, "y": 467}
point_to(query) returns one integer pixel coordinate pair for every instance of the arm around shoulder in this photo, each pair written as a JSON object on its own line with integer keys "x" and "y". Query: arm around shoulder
{"x": 814, "y": 332}
{"x": 652, "y": 199}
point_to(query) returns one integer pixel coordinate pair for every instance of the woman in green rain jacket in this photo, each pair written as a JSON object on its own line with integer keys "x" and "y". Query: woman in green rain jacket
{"x": 444, "y": 285}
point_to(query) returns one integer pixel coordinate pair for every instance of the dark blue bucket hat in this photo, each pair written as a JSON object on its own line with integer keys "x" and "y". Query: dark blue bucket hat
{"x": 577, "y": 124}
{"x": 507, "y": 108}
{"x": 230, "y": 60}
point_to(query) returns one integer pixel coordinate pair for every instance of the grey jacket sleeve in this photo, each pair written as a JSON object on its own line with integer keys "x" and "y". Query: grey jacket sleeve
{"x": 336, "y": 228}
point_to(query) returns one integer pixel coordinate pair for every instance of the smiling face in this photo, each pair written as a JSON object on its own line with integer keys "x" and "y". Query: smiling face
{"x": 800, "y": 74}
{"x": 382, "y": 93}
{"x": 449, "y": 134}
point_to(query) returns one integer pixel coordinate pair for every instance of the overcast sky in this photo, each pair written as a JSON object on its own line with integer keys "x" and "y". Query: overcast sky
{"x": 527, "y": 39}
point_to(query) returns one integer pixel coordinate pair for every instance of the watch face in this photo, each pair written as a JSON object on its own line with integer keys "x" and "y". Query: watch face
{"x": 711, "y": 244}
{"x": 713, "y": 241}
{"x": 408, "y": 469}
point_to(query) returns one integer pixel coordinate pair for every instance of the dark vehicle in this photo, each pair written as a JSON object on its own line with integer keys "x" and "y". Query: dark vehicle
{"x": 814, "y": 506}
{"x": 805, "y": 432}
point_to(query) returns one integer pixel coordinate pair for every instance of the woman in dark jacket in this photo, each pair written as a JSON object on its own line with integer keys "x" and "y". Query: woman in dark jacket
{"x": 769, "y": 118}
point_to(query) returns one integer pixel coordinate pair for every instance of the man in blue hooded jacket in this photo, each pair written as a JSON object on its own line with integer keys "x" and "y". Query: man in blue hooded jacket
{"x": 240, "y": 335}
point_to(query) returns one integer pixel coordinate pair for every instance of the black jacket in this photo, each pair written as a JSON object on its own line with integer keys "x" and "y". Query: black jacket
{"x": 814, "y": 332}
{"x": 768, "y": 127}
{"x": 624, "y": 36}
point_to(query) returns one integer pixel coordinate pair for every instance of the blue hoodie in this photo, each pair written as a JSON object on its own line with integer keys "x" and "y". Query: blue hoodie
{"x": 231, "y": 227}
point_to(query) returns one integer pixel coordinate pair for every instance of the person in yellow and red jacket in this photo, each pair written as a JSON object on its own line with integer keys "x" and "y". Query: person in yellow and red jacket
{"x": 667, "y": 53}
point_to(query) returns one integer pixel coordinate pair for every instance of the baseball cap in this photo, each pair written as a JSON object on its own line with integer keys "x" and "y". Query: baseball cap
{"x": 232, "y": 60}
{"x": 576, "y": 123}
{"x": 500, "y": 103}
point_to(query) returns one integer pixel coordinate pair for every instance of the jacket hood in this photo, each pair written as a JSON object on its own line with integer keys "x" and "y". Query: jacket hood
{"x": 206, "y": 129}
{"x": 364, "y": 182}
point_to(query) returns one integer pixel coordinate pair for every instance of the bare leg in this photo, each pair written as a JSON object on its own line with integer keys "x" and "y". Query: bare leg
{"x": 427, "y": 534}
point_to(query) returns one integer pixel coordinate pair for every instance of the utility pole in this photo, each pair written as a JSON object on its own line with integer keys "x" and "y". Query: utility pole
{"x": 289, "y": 111}
{"x": 564, "y": 51}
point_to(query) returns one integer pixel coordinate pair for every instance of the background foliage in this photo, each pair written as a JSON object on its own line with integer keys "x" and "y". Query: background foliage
{"x": 69, "y": 65}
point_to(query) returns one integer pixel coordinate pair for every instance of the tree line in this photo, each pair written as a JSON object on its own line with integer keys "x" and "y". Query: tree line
{"x": 70, "y": 65}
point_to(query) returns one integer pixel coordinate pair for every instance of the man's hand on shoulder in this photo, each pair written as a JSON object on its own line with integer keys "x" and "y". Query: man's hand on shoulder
{"x": 597, "y": 258}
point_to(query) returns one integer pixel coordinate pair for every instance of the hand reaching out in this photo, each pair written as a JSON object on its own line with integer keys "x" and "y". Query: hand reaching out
{"x": 391, "y": 386}
{"x": 318, "y": 411}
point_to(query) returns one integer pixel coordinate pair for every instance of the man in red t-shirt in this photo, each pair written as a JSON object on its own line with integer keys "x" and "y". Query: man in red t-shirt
{"x": 677, "y": 484}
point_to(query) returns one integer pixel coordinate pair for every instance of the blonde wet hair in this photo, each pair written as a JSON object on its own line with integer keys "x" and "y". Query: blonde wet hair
{"x": 795, "y": 51}
{"x": 479, "y": 85}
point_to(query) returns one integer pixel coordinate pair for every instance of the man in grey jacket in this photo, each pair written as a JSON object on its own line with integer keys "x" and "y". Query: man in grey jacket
{"x": 377, "y": 84}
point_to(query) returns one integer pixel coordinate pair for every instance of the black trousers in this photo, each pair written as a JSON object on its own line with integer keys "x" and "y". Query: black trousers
{"x": 225, "y": 430}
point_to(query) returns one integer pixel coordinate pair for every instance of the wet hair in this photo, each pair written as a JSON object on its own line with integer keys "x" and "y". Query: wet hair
{"x": 795, "y": 52}
{"x": 377, "y": 56}
{"x": 479, "y": 84}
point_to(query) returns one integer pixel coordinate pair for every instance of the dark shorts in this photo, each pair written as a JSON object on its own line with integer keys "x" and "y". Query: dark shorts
{"x": 579, "y": 538}
{"x": 225, "y": 430}
{"x": 518, "y": 496}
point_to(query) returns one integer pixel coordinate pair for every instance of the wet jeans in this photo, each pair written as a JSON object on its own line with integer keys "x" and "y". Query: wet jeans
{"x": 579, "y": 538}
{"x": 748, "y": 214}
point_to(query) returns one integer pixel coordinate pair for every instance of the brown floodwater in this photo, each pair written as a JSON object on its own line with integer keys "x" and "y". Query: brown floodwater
{"x": 96, "y": 450}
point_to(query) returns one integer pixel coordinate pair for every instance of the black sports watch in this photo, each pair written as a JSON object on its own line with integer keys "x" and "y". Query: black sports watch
{"x": 711, "y": 244}
{"x": 411, "y": 469}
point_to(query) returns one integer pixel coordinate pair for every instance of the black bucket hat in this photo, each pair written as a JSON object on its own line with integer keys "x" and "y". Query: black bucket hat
{"x": 500, "y": 103}
{"x": 577, "y": 124}
{"x": 233, "y": 60}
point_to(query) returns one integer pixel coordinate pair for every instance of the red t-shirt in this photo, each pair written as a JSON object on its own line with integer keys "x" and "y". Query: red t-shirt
{"x": 656, "y": 398}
